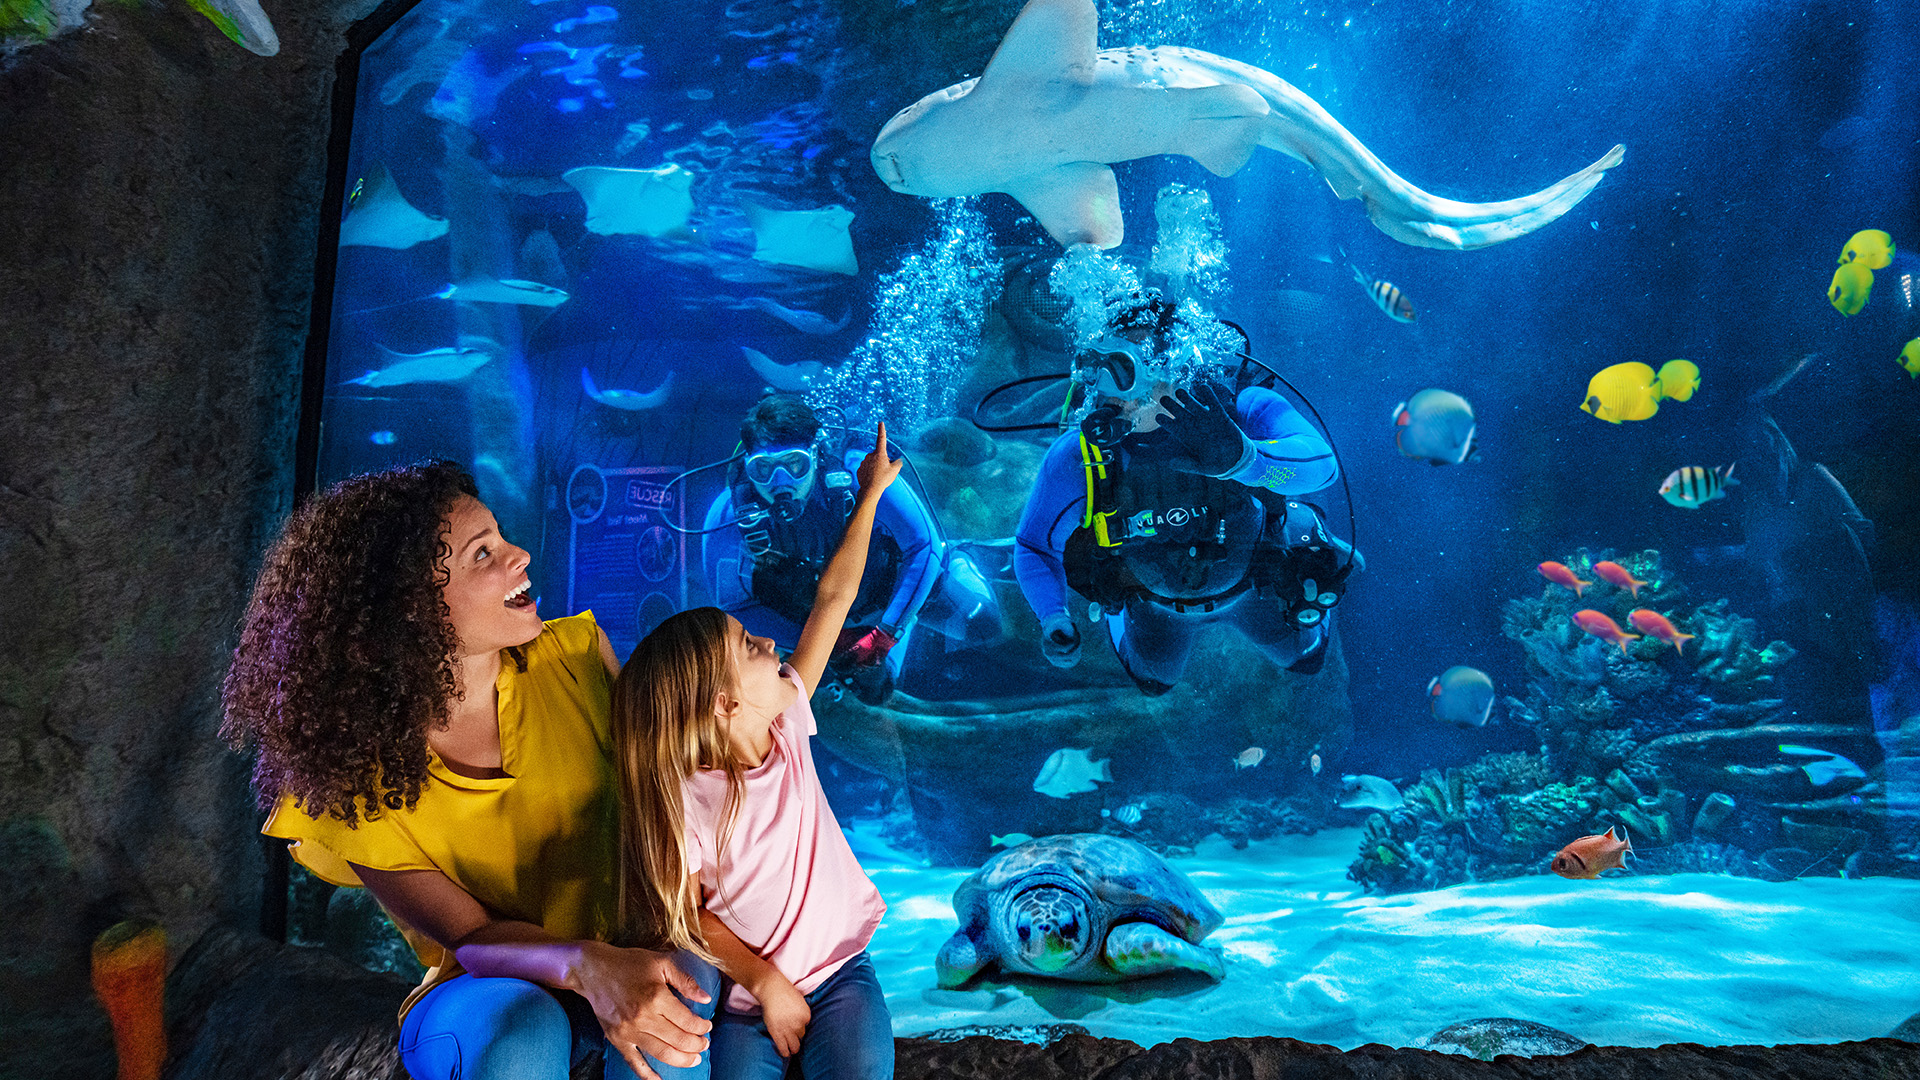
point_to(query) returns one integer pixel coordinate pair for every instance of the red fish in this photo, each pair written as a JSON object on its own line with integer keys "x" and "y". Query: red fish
{"x": 1654, "y": 624}
{"x": 1587, "y": 856}
{"x": 1560, "y": 575}
{"x": 1615, "y": 574}
{"x": 1597, "y": 624}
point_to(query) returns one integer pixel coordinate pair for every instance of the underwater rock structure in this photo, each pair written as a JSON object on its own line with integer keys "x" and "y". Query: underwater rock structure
{"x": 1159, "y": 760}
{"x": 1691, "y": 751}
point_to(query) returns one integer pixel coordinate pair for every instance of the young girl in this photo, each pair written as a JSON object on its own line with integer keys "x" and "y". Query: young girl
{"x": 726, "y": 837}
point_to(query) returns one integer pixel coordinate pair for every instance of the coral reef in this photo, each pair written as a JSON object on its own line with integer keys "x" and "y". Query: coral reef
{"x": 1696, "y": 762}
{"x": 1592, "y": 703}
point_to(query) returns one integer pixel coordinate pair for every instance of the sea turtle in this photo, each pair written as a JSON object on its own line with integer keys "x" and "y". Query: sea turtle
{"x": 1081, "y": 906}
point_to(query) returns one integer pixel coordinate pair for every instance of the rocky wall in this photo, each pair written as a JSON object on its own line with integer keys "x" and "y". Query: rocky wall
{"x": 161, "y": 189}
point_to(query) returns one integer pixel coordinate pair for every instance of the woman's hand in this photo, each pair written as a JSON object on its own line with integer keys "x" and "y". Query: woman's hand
{"x": 784, "y": 1008}
{"x": 878, "y": 470}
{"x": 631, "y": 991}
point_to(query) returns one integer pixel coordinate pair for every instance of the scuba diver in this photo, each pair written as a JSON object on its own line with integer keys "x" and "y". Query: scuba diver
{"x": 1170, "y": 510}
{"x": 789, "y": 493}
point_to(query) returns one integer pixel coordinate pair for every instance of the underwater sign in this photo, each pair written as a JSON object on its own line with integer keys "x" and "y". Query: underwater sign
{"x": 626, "y": 555}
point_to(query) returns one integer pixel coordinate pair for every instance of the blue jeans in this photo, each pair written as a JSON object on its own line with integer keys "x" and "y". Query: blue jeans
{"x": 470, "y": 1028}
{"x": 849, "y": 1038}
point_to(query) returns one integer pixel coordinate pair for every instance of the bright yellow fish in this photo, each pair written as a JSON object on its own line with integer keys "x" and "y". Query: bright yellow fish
{"x": 1629, "y": 391}
{"x": 1851, "y": 284}
{"x": 1679, "y": 379}
{"x": 1910, "y": 358}
{"x": 1869, "y": 246}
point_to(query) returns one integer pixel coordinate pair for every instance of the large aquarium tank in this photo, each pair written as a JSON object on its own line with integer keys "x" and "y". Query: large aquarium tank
{"x": 1409, "y": 516}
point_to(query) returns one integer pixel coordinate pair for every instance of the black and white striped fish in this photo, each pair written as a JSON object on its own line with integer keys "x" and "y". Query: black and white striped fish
{"x": 1386, "y": 296}
{"x": 1691, "y": 485}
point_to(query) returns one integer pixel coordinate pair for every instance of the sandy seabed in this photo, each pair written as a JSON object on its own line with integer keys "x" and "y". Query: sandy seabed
{"x": 1627, "y": 961}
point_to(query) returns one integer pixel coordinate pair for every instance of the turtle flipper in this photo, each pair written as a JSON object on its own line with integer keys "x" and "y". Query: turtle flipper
{"x": 959, "y": 960}
{"x": 1139, "y": 948}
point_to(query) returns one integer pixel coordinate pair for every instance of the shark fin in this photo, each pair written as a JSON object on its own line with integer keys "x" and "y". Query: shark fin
{"x": 1051, "y": 39}
{"x": 1077, "y": 203}
{"x": 1223, "y": 125}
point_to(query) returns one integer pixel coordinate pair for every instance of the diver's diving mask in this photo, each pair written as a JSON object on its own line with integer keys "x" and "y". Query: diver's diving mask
{"x": 1112, "y": 367}
{"x": 783, "y": 477}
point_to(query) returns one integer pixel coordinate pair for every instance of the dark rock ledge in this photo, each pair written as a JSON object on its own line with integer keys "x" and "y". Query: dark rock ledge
{"x": 243, "y": 1006}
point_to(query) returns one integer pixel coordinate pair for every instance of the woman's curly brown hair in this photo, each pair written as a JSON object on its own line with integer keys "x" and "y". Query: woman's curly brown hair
{"x": 347, "y": 653}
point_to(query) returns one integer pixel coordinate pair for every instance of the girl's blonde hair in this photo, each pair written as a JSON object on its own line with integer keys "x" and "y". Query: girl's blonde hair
{"x": 664, "y": 731}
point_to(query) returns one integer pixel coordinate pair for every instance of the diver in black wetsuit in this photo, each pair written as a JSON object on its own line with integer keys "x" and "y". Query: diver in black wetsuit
{"x": 789, "y": 496}
{"x": 1190, "y": 520}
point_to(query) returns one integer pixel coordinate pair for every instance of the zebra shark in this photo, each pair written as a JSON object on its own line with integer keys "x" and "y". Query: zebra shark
{"x": 1051, "y": 112}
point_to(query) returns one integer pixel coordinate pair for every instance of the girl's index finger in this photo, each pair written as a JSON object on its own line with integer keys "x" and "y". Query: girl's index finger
{"x": 882, "y": 441}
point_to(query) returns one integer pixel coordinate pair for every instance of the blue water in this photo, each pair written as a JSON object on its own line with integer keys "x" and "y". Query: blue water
{"x": 1758, "y": 139}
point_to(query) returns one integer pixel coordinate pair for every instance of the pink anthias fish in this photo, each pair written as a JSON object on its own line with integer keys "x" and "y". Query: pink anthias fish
{"x": 1615, "y": 574}
{"x": 1559, "y": 574}
{"x": 1654, "y": 624}
{"x": 1597, "y": 624}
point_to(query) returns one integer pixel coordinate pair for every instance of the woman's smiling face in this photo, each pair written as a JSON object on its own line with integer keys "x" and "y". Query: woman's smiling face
{"x": 488, "y": 593}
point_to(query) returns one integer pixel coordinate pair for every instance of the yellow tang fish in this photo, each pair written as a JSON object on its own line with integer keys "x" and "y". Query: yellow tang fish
{"x": 1851, "y": 284}
{"x": 1910, "y": 358}
{"x": 1629, "y": 391}
{"x": 1869, "y": 246}
{"x": 1679, "y": 379}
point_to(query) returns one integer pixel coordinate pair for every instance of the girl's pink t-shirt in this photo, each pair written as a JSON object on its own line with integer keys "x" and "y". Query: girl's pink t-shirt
{"x": 789, "y": 885}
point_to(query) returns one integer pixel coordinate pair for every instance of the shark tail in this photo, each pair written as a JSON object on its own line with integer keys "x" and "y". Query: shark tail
{"x": 1301, "y": 128}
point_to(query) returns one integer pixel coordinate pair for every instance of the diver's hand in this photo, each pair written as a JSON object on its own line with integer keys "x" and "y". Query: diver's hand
{"x": 1060, "y": 640}
{"x": 632, "y": 994}
{"x": 878, "y": 470}
{"x": 784, "y": 1009}
{"x": 868, "y": 649}
{"x": 1198, "y": 432}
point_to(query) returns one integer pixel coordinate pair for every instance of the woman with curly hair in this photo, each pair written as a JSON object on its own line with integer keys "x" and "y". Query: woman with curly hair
{"x": 422, "y": 733}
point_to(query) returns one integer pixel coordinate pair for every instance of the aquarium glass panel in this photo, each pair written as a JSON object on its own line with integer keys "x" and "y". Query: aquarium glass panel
{"x": 1407, "y": 525}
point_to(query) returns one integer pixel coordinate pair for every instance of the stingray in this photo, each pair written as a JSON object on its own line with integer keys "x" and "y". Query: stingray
{"x": 450, "y": 364}
{"x": 812, "y": 239}
{"x": 486, "y": 290}
{"x": 799, "y": 375}
{"x": 243, "y": 22}
{"x": 807, "y": 322}
{"x": 1052, "y": 111}
{"x": 469, "y": 93}
{"x": 378, "y": 215}
{"x": 627, "y": 400}
{"x": 646, "y": 202}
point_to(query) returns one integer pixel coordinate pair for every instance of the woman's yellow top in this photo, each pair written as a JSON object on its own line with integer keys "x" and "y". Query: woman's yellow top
{"x": 537, "y": 845}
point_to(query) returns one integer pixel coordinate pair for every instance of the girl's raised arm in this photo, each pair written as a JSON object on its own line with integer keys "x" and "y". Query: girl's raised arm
{"x": 840, "y": 581}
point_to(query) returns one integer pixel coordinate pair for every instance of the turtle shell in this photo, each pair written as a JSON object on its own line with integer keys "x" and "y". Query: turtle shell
{"x": 1124, "y": 878}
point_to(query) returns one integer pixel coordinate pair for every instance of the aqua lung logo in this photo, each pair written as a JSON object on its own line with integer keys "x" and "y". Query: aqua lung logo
{"x": 1148, "y": 523}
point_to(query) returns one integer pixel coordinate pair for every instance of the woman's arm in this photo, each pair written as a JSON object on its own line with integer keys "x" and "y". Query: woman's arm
{"x": 783, "y": 1007}
{"x": 840, "y": 581}
{"x": 631, "y": 990}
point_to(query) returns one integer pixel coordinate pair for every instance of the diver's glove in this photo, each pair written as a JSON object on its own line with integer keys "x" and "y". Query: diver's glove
{"x": 864, "y": 650}
{"x": 1060, "y": 640}
{"x": 1199, "y": 432}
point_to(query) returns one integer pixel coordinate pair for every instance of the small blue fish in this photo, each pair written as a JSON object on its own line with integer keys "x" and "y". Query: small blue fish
{"x": 1461, "y": 695}
{"x": 1128, "y": 815}
{"x": 1012, "y": 839}
{"x": 381, "y": 438}
{"x": 1822, "y": 773}
{"x": 627, "y": 400}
